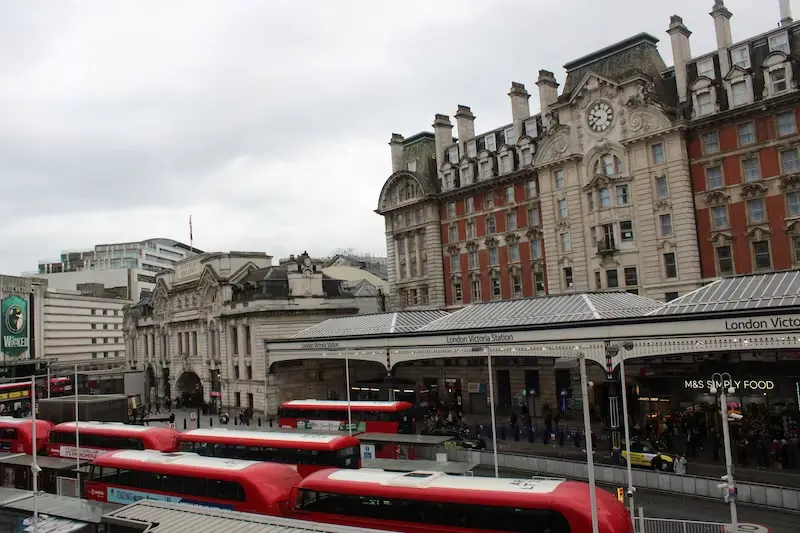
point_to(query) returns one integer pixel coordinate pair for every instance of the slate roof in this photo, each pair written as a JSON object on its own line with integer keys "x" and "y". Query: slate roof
{"x": 546, "y": 310}
{"x": 374, "y": 324}
{"x": 757, "y": 291}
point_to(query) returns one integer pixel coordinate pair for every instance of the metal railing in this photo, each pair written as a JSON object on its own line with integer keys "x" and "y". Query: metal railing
{"x": 641, "y": 524}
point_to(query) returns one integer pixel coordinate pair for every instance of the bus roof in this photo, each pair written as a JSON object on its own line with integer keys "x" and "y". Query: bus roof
{"x": 10, "y": 421}
{"x": 275, "y": 439}
{"x": 16, "y": 385}
{"x": 335, "y": 405}
{"x": 151, "y": 459}
{"x": 438, "y": 486}
{"x": 109, "y": 428}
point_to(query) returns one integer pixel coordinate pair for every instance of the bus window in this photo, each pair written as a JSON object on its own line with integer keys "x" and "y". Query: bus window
{"x": 186, "y": 447}
{"x": 8, "y": 434}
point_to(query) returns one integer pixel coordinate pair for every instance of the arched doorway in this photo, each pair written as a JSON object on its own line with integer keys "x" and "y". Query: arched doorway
{"x": 150, "y": 386}
{"x": 190, "y": 389}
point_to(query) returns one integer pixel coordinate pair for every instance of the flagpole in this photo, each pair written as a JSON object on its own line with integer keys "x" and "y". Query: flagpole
{"x": 77, "y": 442}
{"x": 34, "y": 464}
{"x": 191, "y": 236}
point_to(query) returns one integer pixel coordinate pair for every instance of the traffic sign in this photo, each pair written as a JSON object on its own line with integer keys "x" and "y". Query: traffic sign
{"x": 171, "y": 426}
{"x": 193, "y": 417}
{"x": 751, "y": 528}
{"x": 621, "y": 494}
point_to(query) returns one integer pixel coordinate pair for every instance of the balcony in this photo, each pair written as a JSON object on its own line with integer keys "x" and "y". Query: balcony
{"x": 606, "y": 246}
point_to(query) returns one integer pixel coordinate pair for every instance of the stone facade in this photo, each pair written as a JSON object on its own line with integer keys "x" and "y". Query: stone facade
{"x": 203, "y": 329}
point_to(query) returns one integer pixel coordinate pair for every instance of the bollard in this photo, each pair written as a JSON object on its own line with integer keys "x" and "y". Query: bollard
{"x": 210, "y": 421}
{"x": 545, "y": 436}
{"x": 502, "y": 433}
{"x": 530, "y": 436}
{"x": 235, "y": 421}
{"x": 577, "y": 439}
{"x": 515, "y": 429}
{"x": 184, "y": 424}
{"x": 259, "y": 421}
{"x": 561, "y": 437}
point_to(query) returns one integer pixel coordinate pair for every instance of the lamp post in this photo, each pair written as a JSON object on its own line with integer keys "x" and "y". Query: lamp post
{"x": 491, "y": 411}
{"x": 723, "y": 382}
{"x": 613, "y": 350}
{"x": 569, "y": 362}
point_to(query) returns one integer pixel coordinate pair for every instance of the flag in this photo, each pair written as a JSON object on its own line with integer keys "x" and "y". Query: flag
{"x": 190, "y": 228}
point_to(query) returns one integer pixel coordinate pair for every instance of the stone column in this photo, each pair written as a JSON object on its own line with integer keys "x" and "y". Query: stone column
{"x": 242, "y": 348}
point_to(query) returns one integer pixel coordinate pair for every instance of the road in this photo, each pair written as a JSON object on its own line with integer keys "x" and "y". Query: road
{"x": 657, "y": 505}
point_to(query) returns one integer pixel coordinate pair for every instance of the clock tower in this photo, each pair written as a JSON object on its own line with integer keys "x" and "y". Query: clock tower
{"x": 304, "y": 275}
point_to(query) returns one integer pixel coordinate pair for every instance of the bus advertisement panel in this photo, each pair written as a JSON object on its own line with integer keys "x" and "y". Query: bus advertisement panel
{"x": 332, "y": 415}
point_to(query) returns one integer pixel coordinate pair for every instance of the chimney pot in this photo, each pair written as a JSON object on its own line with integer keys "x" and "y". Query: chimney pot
{"x": 722, "y": 28}
{"x": 681, "y": 53}
{"x": 443, "y": 138}
{"x": 548, "y": 93}
{"x": 786, "y": 12}
{"x": 520, "y": 107}
{"x": 396, "y": 145}
{"x": 465, "y": 122}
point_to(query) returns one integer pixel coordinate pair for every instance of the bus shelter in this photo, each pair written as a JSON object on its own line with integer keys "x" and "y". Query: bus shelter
{"x": 407, "y": 453}
{"x": 56, "y": 513}
{"x": 15, "y": 471}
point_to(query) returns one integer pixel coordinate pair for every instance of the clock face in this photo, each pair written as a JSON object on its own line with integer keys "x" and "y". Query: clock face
{"x": 600, "y": 116}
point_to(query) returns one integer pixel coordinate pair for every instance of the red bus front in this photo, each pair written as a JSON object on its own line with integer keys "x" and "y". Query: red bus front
{"x": 16, "y": 434}
{"x": 322, "y": 415}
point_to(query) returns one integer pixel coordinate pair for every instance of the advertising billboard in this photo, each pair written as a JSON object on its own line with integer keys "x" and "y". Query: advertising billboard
{"x": 14, "y": 330}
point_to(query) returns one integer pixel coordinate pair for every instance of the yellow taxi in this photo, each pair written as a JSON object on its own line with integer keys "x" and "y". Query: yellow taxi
{"x": 649, "y": 454}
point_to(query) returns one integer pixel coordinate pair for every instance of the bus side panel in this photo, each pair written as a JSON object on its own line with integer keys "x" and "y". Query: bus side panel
{"x": 287, "y": 423}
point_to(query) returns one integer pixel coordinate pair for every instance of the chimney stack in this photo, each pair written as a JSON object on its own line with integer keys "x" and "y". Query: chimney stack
{"x": 786, "y": 12}
{"x": 465, "y": 125}
{"x": 443, "y": 137}
{"x": 520, "y": 107}
{"x": 396, "y": 145}
{"x": 548, "y": 93}
{"x": 681, "y": 53}
{"x": 722, "y": 26}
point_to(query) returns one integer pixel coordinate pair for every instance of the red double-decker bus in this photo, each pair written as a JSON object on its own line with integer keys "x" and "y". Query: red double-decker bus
{"x": 16, "y": 434}
{"x": 61, "y": 386}
{"x": 330, "y": 415}
{"x": 97, "y": 438}
{"x": 127, "y": 476}
{"x": 304, "y": 452}
{"x": 423, "y": 502}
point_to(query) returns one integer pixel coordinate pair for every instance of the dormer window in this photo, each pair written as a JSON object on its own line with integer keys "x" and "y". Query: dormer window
{"x": 510, "y": 138}
{"x": 449, "y": 180}
{"x": 506, "y": 163}
{"x": 740, "y": 57}
{"x": 779, "y": 43}
{"x": 778, "y": 75}
{"x": 526, "y": 154}
{"x": 740, "y": 93}
{"x": 531, "y": 128}
{"x": 706, "y": 68}
{"x": 777, "y": 79}
{"x": 705, "y": 104}
{"x": 486, "y": 169}
{"x": 491, "y": 142}
{"x": 472, "y": 148}
{"x": 466, "y": 174}
{"x": 452, "y": 154}
{"x": 608, "y": 165}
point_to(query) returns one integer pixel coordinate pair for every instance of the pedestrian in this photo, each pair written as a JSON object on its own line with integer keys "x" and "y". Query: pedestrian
{"x": 680, "y": 465}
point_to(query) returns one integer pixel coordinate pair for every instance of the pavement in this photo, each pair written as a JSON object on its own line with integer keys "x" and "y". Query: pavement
{"x": 658, "y": 505}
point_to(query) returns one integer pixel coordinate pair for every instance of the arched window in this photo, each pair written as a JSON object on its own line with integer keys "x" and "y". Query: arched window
{"x": 608, "y": 165}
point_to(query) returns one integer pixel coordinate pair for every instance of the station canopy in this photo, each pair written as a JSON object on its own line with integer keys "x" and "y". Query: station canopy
{"x": 374, "y": 324}
{"x": 758, "y": 291}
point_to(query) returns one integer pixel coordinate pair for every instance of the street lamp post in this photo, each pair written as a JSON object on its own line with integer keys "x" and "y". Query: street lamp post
{"x": 614, "y": 350}
{"x": 725, "y": 382}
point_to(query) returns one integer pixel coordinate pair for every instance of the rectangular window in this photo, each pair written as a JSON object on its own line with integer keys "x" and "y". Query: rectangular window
{"x": 466, "y": 174}
{"x": 657, "y": 151}
{"x": 536, "y": 249}
{"x": 473, "y": 259}
{"x": 705, "y": 68}
{"x": 670, "y": 266}
{"x": 452, "y": 154}
{"x": 457, "y": 295}
{"x": 790, "y": 161}
{"x": 714, "y": 178}
{"x": 605, "y": 198}
{"x": 719, "y": 217}
{"x": 777, "y": 80}
{"x": 598, "y": 280}
{"x": 755, "y": 211}
{"x": 564, "y": 240}
{"x": 451, "y": 209}
{"x": 538, "y": 283}
{"x": 488, "y": 200}
{"x": 665, "y": 224}
{"x": 560, "y": 179}
{"x": 793, "y": 203}
{"x": 516, "y": 285}
{"x": 531, "y": 128}
{"x": 531, "y": 189}
{"x": 705, "y": 104}
{"x": 747, "y": 133}
{"x": 510, "y": 194}
{"x": 724, "y": 260}
{"x": 568, "y": 279}
{"x": 612, "y": 281}
{"x": 741, "y": 57}
{"x": 662, "y": 188}
{"x": 739, "y": 93}
{"x": 631, "y": 277}
{"x": 626, "y": 230}
{"x": 779, "y": 43}
{"x": 494, "y": 283}
{"x": 623, "y": 196}
{"x": 491, "y": 225}
{"x": 533, "y": 216}
{"x": 491, "y": 142}
{"x": 471, "y": 231}
{"x": 710, "y": 142}
{"x": 527, "y": 156}
{"x": 494, "y": 256}
{"x": 511, "y": 221}
{"x": 455, "y": 263}
{"x": 486, "y": 170}
{"x": 562, "y": 208}
{"x": 475, "y": 289}
{"x": 761, "y": 255}
{"x": 513, "y": 252}
{"x": 412, "y": 165}
{"x": 509, "y": 136}
{"x": 787, "y": 124}
{"x": 796, "y": 250}
{"x": 506, "y": 164}
{"x": 452, "y": 234}
{"x": 472, "y": 148}
{"x": 590, "y": 200}
{"x": 751, "y": 170}
{"x": 470, "y": 204}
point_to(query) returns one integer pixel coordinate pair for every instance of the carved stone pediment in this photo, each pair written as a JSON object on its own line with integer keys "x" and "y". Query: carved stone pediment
{"x": 601, "y": 181}
{"x": 793, "y": 227}
{"x": 474, "y": 276}
{"x": 456, "y": 277}
{"x": 645, "y": 95}
{"x": 452, "y": 249}
{"x": 565, "y": 259}
{"x": 534, "y": 233}
{"x": 790, "y": 182}
{"x": 759, "y": 233}
{"x": 717, "y": 198}
{"x": 472, "y": 246}
{"x": 562, "y": 223}
{"x": 666, "y": 244}
{"x": 608, "y": 260}
{"x": 493, "y": 271}
{"x": 754, "y": 190}
{"x": 662, "y": 205}
{"x": 512, "y": 238}
{"x": 491, "y": 241}
{"x": 514, "y": 269}
{"x": 721, "y": 238}
{"x": 537, "y": 265}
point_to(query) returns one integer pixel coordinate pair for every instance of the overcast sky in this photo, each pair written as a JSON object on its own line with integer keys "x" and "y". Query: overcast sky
{"x": 266, "y": 120}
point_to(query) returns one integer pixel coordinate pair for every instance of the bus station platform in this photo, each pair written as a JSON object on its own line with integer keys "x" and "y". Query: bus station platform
{"x": 413, "y": 465}
{"x": 15, "y": 469}
{"x": 163, "y": 517}
{"x": 79, "y": 515}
